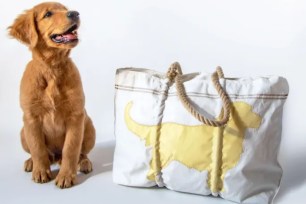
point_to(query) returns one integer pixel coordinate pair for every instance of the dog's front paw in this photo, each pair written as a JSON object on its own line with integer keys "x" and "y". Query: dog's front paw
{"x": 65, "y": 180}
{"x": 41, "y": 175}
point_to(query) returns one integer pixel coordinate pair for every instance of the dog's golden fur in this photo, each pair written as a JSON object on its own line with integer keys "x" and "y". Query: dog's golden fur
{"x": 56, "y": 126}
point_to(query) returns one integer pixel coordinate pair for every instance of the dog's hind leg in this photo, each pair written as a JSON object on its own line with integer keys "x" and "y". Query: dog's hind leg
{"x": 85, "y": 165}
{"x": 24, "y": 142}
{"x": 28, "y": 164}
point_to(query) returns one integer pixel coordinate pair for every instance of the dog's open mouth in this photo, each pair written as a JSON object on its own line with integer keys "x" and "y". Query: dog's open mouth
{"x": 69, "y": 36}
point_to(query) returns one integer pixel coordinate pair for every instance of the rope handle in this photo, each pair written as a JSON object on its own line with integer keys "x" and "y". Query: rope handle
{"x": 175, "y": 74}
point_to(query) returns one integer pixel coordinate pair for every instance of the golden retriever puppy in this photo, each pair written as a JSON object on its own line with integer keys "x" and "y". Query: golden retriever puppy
{"x": 56, "y": 126}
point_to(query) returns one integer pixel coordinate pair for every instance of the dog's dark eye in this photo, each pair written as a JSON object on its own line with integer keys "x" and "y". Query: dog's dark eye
{"x": 48, "y": 14}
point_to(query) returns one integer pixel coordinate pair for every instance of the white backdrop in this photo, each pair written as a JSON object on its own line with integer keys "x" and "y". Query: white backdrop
{"x": 244, "y": 37}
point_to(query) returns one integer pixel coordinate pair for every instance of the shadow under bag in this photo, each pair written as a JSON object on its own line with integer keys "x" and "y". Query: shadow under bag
{"x": 199, "y": 133}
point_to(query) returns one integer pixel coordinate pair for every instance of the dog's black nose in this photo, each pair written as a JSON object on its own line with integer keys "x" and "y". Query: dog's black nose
{"x": 73, "y": 15}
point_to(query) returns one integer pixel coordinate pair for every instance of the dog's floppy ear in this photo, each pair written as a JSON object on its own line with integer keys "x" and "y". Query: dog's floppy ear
{"x": 24, "y": 29}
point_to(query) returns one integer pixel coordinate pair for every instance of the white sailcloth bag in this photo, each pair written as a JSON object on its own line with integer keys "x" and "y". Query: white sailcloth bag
{"x": 199, "y": 133}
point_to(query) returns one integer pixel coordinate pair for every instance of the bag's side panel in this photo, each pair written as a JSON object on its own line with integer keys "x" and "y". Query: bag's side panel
{"x": 137, "y": 102}
{"x": 256, "y": 177}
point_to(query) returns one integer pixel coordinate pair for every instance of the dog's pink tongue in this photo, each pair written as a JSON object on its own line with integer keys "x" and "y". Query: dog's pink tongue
{"x": 59, "y": 37}
{"x": 70, "y": 36}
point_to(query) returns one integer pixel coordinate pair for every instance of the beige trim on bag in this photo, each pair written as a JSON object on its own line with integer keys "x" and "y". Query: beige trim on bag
{"x": 197, "y": 94}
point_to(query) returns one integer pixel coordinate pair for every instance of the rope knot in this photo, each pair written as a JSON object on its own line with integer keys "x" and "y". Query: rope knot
{"x": 173, "y": 71}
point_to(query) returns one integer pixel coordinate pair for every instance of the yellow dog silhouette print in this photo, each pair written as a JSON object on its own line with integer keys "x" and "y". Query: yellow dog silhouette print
{"x": 194, "y": 146}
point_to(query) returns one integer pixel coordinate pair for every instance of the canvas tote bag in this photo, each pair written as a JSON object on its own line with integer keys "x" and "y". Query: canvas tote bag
{"x": 199, "y": 133}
